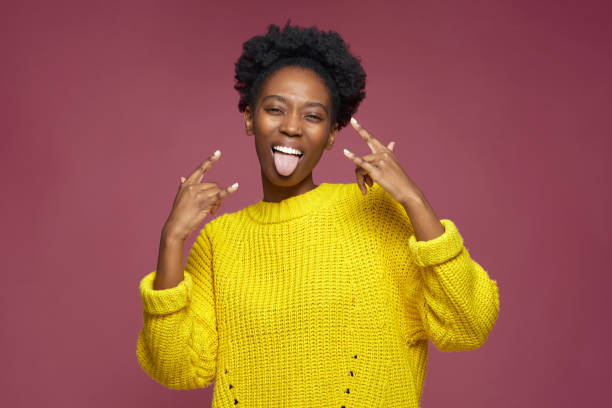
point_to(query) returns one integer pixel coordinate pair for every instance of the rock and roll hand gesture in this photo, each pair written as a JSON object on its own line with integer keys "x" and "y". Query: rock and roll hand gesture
{"x": 194, "y": 200}
{"x": 381, "y": 166}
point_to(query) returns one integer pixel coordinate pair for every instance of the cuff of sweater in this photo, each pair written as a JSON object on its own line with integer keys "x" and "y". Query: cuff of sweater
{"x": 164, "y": 301}
{"x": 439, "y": 249}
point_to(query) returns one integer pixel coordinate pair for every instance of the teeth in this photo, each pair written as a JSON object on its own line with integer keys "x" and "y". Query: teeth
{"x": 288, "y": 150}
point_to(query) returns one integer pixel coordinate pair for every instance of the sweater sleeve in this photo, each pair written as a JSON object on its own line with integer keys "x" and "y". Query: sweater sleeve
{"x": 449, "y": 298}
{"x": 458, "y": 302}
{"x": 177, "y": 345}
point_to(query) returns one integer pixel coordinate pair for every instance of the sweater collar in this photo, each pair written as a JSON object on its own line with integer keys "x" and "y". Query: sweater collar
{"x": 267, "y": 212}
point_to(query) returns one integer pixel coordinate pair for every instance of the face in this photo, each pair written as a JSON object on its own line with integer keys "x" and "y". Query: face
{"x": 293, "y": 109}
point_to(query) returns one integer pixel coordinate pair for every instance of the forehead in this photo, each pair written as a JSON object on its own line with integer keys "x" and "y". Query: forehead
{"x": 298, "y": 84}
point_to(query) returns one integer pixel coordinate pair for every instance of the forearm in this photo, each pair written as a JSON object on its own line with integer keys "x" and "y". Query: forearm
{"x": 460, "y": 303}
{"x": 175, "y": 347}
{"x": 178, "y": 351}
{"x": 169, "y": 272}
{"x": 424, "y": 220}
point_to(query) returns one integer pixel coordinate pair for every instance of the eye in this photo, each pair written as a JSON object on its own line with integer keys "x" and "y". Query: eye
{"x": 274, "y": 110}
{"x": 314, "y": 117}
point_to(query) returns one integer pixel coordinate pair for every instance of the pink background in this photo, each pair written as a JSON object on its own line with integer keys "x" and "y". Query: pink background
{"x": 500, "y": 111}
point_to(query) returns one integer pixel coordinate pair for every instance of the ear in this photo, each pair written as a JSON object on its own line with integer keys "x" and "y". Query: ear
{"x": 332, "y": 136}
{"x": 248, "y": 120}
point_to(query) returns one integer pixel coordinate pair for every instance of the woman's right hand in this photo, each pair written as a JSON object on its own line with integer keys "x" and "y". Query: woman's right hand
{"x": 194, "y": 200}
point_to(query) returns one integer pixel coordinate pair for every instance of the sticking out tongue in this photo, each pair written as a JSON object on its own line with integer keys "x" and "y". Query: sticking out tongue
{"x": 285, "y": 163}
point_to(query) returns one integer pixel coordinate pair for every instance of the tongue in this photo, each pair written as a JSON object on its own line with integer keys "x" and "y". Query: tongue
{"x": 285, "y": 163}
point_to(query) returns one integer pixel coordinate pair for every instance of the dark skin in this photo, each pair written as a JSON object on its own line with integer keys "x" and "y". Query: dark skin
{"x": 293, "y": 107}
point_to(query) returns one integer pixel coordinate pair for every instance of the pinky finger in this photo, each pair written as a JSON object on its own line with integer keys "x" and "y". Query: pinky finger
{"x": 361, "y": 184}
{"x": 215, "y": 208}
{"x": 224, "y": 193}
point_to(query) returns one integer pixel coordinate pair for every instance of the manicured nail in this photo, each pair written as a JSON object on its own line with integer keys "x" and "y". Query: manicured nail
{"x": 347, "y": 152}
{"x": 353, "y": 120}
{"x": 217, "y": 153}
{"x": 182, "y": 179}
{"x": 234, "y": 186}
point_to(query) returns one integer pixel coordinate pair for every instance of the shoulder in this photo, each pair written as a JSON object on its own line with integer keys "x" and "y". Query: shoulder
{"x": 377, "y": 199}
{"x": 221, "y": 223}
{"x": 377, "y": 207}
{"x": 386, "y": 210}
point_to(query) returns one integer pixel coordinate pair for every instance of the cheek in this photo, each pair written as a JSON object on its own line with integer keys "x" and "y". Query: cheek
{"x": 264, "y": 125}
{"x": 321, "y": 136}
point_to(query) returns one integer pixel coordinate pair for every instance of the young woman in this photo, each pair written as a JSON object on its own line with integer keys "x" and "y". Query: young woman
{"x": 318, "y": 295}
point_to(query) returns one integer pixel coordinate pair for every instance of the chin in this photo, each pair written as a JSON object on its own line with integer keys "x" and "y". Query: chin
{"x": 286, "y": 181}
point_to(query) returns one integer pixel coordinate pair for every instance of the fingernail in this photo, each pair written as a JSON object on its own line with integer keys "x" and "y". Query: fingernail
{"x": 216, "y": 153}
{"x": 353, "y": 120}
{"x": 182, "y": 179}
{"x": 234, "y": 186}
{"x": 347, "y": 152}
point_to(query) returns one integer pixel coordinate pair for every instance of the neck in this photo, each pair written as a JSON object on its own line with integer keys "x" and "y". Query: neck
{"x": 276, "y": 193}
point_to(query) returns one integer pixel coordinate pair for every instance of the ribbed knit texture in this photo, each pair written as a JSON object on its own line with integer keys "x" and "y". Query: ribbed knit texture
{"x": 325, "y": 299}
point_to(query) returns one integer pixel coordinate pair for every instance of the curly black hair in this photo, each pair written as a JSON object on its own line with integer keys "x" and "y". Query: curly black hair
{"x": 325, "y": 53}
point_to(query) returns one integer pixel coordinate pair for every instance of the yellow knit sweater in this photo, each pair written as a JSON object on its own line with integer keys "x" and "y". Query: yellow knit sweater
{"x": 325, "y": 299}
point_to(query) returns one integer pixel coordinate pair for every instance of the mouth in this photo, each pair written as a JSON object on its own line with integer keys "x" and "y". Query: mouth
{"x": 287, "y": 150}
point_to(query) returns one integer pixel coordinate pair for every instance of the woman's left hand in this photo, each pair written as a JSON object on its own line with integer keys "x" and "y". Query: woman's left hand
{"x": 382, "y": 167}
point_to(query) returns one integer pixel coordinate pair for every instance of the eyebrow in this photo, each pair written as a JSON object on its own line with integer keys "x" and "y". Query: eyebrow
{"x": 284, "y": 100}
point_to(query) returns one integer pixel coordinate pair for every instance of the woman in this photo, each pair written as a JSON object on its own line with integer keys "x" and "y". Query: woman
{"x": 318, "y": 295}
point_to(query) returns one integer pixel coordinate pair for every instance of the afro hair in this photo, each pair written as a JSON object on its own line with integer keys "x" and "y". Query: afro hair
{"x": 325, "y": 53}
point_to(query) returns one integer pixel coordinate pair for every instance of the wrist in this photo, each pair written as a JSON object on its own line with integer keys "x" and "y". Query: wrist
{"x": 170, "y": 237}
{"x": 414, "y": 202}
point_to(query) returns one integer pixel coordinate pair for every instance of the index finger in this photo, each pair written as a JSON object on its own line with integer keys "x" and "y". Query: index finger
{"x": 372, "y": 142}
{"x": 198, "y": 173}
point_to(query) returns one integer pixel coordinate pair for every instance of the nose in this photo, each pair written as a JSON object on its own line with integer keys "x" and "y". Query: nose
{"x": 291, "y": 124}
